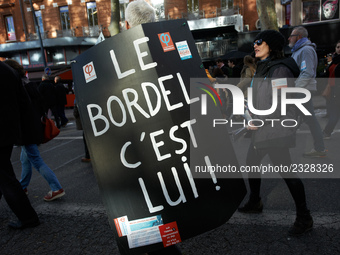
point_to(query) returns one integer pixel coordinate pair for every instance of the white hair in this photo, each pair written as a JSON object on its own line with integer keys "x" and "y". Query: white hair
{"x": 301, "y": 31}
{"x": 139, "y": 12}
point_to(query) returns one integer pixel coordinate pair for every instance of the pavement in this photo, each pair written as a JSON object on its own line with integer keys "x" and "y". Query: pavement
{"x": 77, "y": 223}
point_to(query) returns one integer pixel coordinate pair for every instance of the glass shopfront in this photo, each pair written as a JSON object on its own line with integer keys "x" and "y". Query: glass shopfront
{"x": 322, "y": 10}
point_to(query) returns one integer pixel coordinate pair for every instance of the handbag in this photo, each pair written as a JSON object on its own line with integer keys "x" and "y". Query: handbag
{"x": 50, "y": 129}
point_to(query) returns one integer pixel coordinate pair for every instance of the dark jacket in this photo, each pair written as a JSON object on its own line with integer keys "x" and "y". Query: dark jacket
{"x": 60, "y": 94}
{"x": 47, "y": 90}
{"x": 226, "y": 70}
{"x": 13, "y": 99}
{"x": 337, "y": 72}
{"x": 277, "y": 136}
{"x": 32, "y": 126}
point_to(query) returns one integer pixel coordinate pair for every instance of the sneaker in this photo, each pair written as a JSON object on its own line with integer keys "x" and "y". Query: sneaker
{"x": 301, "y": 226}
{"x": 64, "y": 124}
{"x": 326, "y": 136}
{"x": 85, "y": 160}
{"x": 315, "y": 154}
{"x": 21, "y": 225}
{"x": 251, "y": 207}
{"x": 51, "y": 195}
{"x": 26, "y": 191}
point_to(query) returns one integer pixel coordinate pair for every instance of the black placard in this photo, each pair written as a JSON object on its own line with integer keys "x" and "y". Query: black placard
{"x": 133, "y": 90}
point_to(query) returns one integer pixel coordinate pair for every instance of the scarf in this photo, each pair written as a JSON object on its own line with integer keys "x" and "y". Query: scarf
{"x": 299, "y": 43}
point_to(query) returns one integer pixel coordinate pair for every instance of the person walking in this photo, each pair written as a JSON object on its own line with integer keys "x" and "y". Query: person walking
{"x": 274, "y": 141}
{"x": 33, "y": 136}
{"x": 12, "y": 100}
{"x": 325, "y": 89}
{"x": 305, "y": 56}
{"x": 47, "y": 90}
{"x": 226, "y": 70}
{"x": 247, "y": 73}
{"x": 333, "y": 73}
{"x": 235, "y": 70}
{"x": 61, "y": 100}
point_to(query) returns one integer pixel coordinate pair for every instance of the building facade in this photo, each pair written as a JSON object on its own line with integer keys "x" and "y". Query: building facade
{"x": 69, "y": 27}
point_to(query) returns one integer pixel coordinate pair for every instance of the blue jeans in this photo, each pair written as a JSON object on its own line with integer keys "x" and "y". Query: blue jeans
{"x": 30, "y": 156}
{"x": 313, "y": 125}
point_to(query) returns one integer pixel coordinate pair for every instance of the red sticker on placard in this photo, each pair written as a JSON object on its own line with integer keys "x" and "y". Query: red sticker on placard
{"x": 166, "y": 41}
{"x": 169, "y": 233}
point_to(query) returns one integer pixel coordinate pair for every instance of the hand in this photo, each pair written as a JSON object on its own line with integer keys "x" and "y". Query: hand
{"x": 251, "y": 127}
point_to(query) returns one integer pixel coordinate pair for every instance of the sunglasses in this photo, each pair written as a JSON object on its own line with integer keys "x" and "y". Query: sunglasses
{"x": 258, "y": 42}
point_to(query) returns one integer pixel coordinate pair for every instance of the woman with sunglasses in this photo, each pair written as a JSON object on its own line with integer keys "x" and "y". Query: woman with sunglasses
{"x": 273, "y": 72}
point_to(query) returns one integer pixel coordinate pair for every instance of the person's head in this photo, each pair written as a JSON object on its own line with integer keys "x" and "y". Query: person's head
{"x": 337, "y": 48}
{"x": 217, "y": 72}
{"x": 138, "y": 12}
{"x": 57, "y": 79}
{"x": 269, "y": 43}
{"x": 231, "y": 62}
{"x": 45, "y": 77}
{"x": 329, "y": 58}
{"x": 219, "y": 63}
{"x": 16, "y": 66}
{"x": 297, "y": 34}
{"x": 249, "y": 60}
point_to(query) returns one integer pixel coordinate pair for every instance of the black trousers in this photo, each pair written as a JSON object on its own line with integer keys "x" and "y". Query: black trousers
{"x": 55, "y": 113}
{"x": 11, "y": 189}
{"x": 278, "y": 156}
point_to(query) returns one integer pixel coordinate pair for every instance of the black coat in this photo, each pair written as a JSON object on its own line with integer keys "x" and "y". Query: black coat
{"x": 278, "y": 136}
{"x": 337, "y": 71}
{"x": 13, "y": 99}
{"x": 32, "y": 126}
{"x": 48, "y": 92}
{"x": 60, "y": 94}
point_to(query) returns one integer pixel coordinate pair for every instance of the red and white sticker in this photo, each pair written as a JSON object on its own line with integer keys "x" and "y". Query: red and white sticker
{"x": 169, "y": 233}
{"x": 166, "y": 41}
{"x": 89, "y": 72}
{"x": 122, "y": 226}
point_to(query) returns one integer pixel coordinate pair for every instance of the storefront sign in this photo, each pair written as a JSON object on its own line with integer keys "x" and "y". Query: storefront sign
{"x": 222, "y": 21}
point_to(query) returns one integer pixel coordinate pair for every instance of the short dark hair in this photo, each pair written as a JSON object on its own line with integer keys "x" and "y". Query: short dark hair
{"x": 276, "y": 54}
{"x": 16, "y": 66}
